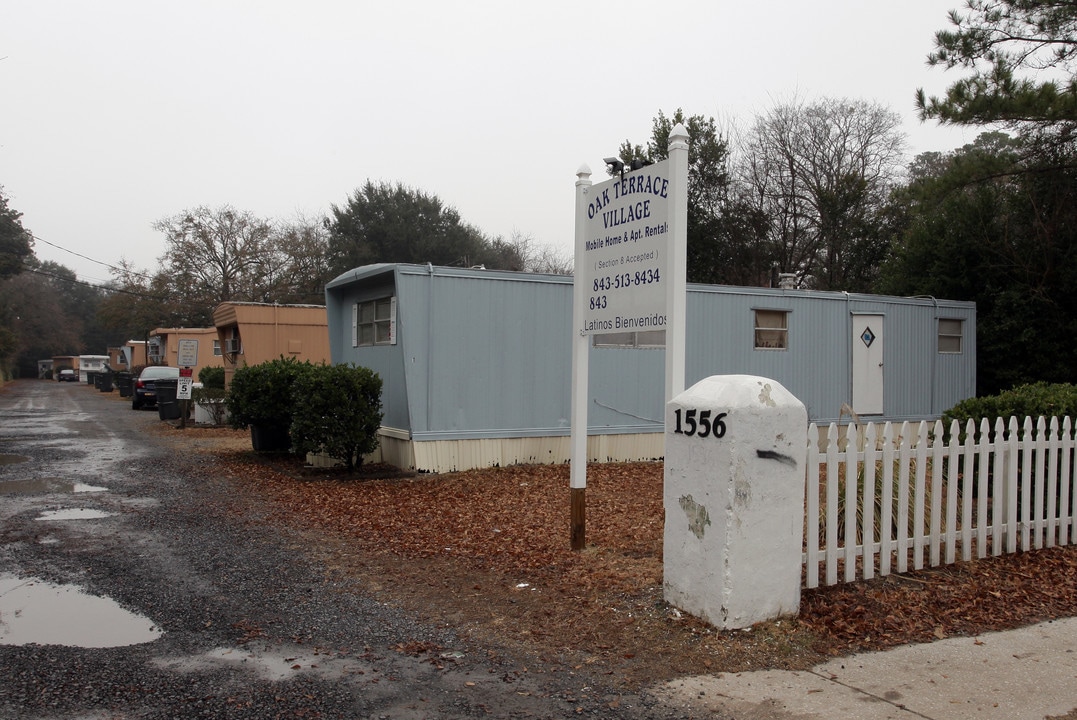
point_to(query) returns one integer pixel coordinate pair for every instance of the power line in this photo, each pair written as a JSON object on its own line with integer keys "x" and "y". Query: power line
{"x": 111, "y": 267}
{"x": 103, "y": 288}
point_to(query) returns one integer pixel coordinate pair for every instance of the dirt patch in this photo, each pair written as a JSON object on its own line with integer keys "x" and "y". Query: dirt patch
{"x": 487, "y": 552}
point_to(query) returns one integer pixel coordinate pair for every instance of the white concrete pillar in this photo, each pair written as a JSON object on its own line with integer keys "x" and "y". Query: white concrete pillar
{"x": 734, "y": 500}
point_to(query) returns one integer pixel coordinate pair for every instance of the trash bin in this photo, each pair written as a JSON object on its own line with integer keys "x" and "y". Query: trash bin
{"x": 168, "y": 407}
{"x": 105, "y": 381}
{"x": 124, "y": 383}
{"x": 91, "y": 377}
{"x": 270, "y": 438}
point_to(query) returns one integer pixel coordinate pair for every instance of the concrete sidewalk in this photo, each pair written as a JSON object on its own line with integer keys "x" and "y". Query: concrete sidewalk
{"x": 1026, "y": 673}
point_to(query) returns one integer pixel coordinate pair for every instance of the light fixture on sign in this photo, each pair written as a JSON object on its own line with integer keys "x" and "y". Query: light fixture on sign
{"x": 615, "y": 166}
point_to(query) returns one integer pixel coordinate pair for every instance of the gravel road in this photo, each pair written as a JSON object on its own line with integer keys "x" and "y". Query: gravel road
{"x": 215, "y": 613}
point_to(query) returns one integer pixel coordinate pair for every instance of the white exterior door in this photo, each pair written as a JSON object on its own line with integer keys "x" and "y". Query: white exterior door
{"x": 868, "y": 364}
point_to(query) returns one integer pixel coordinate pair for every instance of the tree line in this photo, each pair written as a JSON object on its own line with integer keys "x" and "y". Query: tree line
{"x": 820, "y": 192}
{"x": 218, "y": 254}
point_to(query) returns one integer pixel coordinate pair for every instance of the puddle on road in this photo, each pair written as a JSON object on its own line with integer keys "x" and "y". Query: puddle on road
{"x": 12, "y": 459}
{"x": 44, "y": 486}
{"x": 83, "y": 487}
{"x": 34, "y": 611}
{"x": 73, "y": 514}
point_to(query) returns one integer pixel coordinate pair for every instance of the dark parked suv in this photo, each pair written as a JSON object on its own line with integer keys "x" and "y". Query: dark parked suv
{"x": 144, "y": 393}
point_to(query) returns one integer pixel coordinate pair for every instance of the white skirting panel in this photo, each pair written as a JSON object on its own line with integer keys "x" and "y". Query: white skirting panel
{"x": 457, "y": 455}
{"x": 442, "y": 456}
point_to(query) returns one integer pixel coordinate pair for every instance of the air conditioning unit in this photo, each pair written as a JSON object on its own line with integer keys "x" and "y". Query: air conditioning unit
{"x": 231, "y": 346}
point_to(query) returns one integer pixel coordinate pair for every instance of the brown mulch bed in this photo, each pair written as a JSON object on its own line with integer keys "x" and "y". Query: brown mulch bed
{"x": 487, "y": 552}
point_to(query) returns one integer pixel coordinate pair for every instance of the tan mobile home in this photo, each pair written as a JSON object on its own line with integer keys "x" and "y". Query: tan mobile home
{"x": 253, "y": 333}
{"x": 163, "y": 346}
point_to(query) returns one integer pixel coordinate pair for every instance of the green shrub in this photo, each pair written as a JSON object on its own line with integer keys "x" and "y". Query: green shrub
{"x": 213, "y": 400}
{"x": 1033, "y": 400}
{"x": 262, "y": 394}
{"x": 338, "y": 411}
{"x": 212, "y": 377}
{"x": 208, "y": 394}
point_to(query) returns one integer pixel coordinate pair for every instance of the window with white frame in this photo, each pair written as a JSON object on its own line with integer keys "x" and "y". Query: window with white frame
{"x": 216, "y": 348}
{"x": 771, "y": 329}
{"x": 374, "y": 322}
{"x": 641, "y": 339}
{"x": 950, "y": 333}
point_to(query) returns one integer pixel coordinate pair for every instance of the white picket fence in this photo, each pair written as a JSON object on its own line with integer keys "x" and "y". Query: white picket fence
{"x": 978, "y": 491}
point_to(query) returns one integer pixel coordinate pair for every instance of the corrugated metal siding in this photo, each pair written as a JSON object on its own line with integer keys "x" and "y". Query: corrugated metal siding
{"x": 908, "y": 356}
{"x": 955, "y": 374}
{"x": 626, "y": 388}
{"x": 488, "y": 354}
{"x": 386, "y": 360}
{"x": 820, "y": 358}
{"x": 918, "y": 382}
{"x": 493, "y": 354}
{"x": 721, "y": 341}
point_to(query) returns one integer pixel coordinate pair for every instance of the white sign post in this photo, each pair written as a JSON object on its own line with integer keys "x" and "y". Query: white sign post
{"x": 631, "y": 234}
{"x": 580, "y": 347}
{"x": 187, "y": 359}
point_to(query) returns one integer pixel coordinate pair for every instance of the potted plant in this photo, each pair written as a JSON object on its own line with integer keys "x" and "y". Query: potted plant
{"x": 260, "y": 397}
{"x": 209, "y": 398}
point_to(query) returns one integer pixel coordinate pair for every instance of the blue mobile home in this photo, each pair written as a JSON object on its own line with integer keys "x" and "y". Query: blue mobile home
{"x": 476, "y": 364}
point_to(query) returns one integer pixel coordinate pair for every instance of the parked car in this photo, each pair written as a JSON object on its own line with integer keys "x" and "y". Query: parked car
{"x": 144, "y": 393}
{"x": 68, "y": 376}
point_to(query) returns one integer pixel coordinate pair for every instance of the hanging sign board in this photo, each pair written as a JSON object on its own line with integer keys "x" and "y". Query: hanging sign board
{"x": 188, "y": 353}
{"x": 624, "y": 249}
{"x": 630, "y": 244}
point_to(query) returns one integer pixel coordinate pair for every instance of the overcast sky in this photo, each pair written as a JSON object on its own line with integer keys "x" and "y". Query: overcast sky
{"x": 117, "y": 114}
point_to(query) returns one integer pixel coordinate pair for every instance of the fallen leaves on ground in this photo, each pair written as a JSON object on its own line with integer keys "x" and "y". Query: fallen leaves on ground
{"x": 487, "y": 552}
{"x": 964, "y": 599}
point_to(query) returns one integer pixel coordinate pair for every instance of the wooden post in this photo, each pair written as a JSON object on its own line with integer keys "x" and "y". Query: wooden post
{"x": 579, "y": 518}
